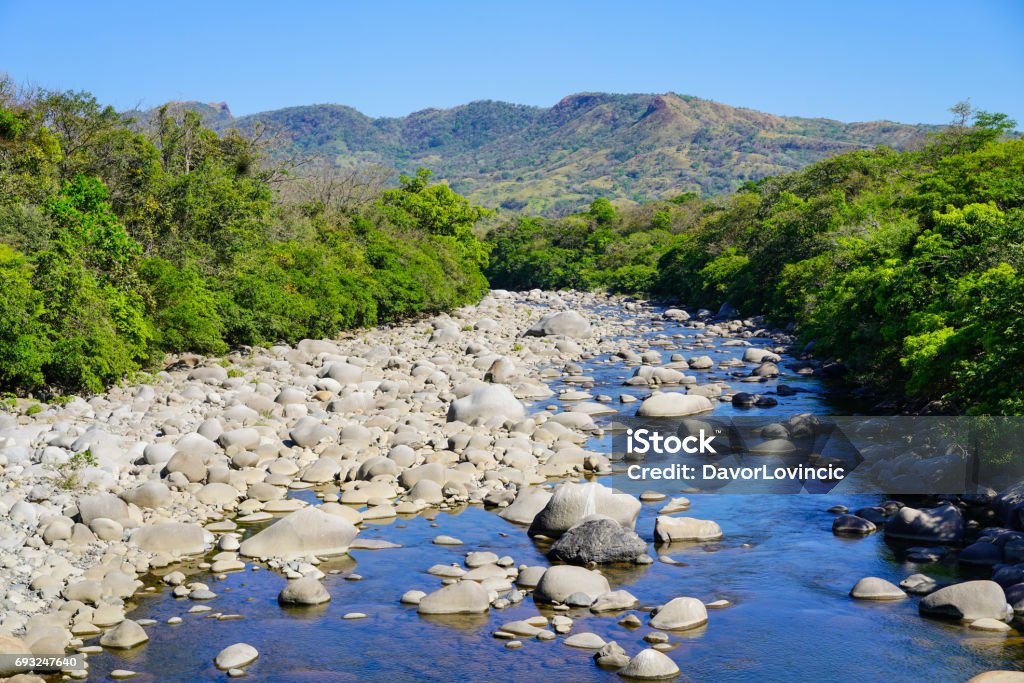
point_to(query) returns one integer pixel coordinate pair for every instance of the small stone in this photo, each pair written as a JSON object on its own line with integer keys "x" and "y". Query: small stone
{"x": 354, "y": 615}
{"x": 412, "y": 597}
{"x": 446, "y": 540}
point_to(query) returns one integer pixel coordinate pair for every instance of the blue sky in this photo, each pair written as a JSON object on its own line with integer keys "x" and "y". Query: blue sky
{"x": 854, "y": 61}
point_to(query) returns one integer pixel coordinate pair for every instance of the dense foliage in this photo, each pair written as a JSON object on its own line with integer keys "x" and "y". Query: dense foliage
{"x": 909, "y": 266}
{"x": 120, "y": 242}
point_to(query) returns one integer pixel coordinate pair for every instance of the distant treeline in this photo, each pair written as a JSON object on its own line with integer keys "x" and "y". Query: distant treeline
{"x": 120, "y": 242}
{"x": 905, "y": 265}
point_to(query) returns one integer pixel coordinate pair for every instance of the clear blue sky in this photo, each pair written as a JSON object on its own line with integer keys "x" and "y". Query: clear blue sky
{"x": 854, "y": 61}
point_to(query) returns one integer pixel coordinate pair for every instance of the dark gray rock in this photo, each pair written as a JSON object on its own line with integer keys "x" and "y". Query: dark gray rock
{"x": 601, "y": 540}
{"x": 942, "y": 524}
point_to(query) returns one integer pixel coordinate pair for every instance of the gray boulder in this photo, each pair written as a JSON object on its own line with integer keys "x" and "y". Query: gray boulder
{"x": 673, "y": 404}
{"x": 672, "y": 529}
{"x": 874, "y": 588}
{"x": 464, "y": 597}
{"x": 565, "y": 323}
{"x": 308, "y": 531}
{"x": 304, "y": 591}
{"x": 563, "y": 580}
{"x": 572, "y": 503}
{"x": 967, "y": 601}
{"x": 650, "y": 665}
{"x": 487, "y": 403}
{"x": 680, "y": 614}
{"x": 942, "y": 524}
{"x": 176, "y": 538}
{"x": 601, "y": 540}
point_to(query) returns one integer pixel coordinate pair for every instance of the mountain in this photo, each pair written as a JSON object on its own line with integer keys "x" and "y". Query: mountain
{"x": 628, "y": 148}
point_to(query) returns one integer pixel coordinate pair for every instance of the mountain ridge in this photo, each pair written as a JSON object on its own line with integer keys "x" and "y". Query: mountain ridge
{"x": 553, "y": 160}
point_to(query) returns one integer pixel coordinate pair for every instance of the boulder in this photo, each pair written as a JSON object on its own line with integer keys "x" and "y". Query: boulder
{"x": 673, "y": 404}
{"x": 966, "y": 601}
{"x": 189, "y": 464}
{"x": 563, "y": 580}
{"x": 108, "y": 506}
{"x": 464, "y": 597}
{"x": 236, "y": 656}
{"x": 650, "y": 665}
{"x": 680, "y": 614}
{"x": 487, "y": 403}
{"x": 572, "y": 503}
{"x": 614, "y": 601}
{"x": 942, "y": 524}
{"x": 852, "y": 525}
{"x": 527, "y": 505}
{"x": 176, "y": 538}
{"x": 601, "y": 540}
{"x": 671, "y": 529}
{"x": 309, "y": 431}
{"x": 152, "y": 495}
{"x": 308, "y": 531}
{"x": 304, "y": 591}
{"x": 565, "y": 323}
{"x": 125, "y": 635}
{"x": 874, "y": 588}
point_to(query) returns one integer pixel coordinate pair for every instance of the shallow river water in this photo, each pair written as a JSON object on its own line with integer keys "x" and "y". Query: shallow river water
{"x": 791, "y": 617}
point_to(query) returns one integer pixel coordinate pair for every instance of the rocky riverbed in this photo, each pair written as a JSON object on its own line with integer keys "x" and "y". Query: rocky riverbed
{"x": 432, "y": 501}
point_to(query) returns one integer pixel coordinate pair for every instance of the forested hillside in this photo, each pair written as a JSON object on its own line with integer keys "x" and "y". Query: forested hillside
{"x": 907, "y": 266}
{"x": 118, "y": 245}
{"x": 553, "y": 161}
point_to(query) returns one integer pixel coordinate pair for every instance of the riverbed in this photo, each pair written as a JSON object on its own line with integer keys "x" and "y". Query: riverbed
{"x": 786, "y": 576}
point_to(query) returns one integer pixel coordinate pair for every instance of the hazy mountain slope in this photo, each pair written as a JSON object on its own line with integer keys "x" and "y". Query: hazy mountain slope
{"x": 624, "y": 147}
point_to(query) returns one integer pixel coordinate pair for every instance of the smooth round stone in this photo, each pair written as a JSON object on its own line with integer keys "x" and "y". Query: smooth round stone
{"x": 446, "y": 540}
{"x": 874, "y": 588}
{"x": 514, "y": 644}
{"x": 120, "y": 674}
{"x": 174, "y": 621}
{"x": 717, "y": 604}
{"x": 354, "y": 615}
{"x": 585, "y": 641}
{"x": 649, "y": 665}
{"x": 236, "y": 656}
{"x": 412, "y": 597}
